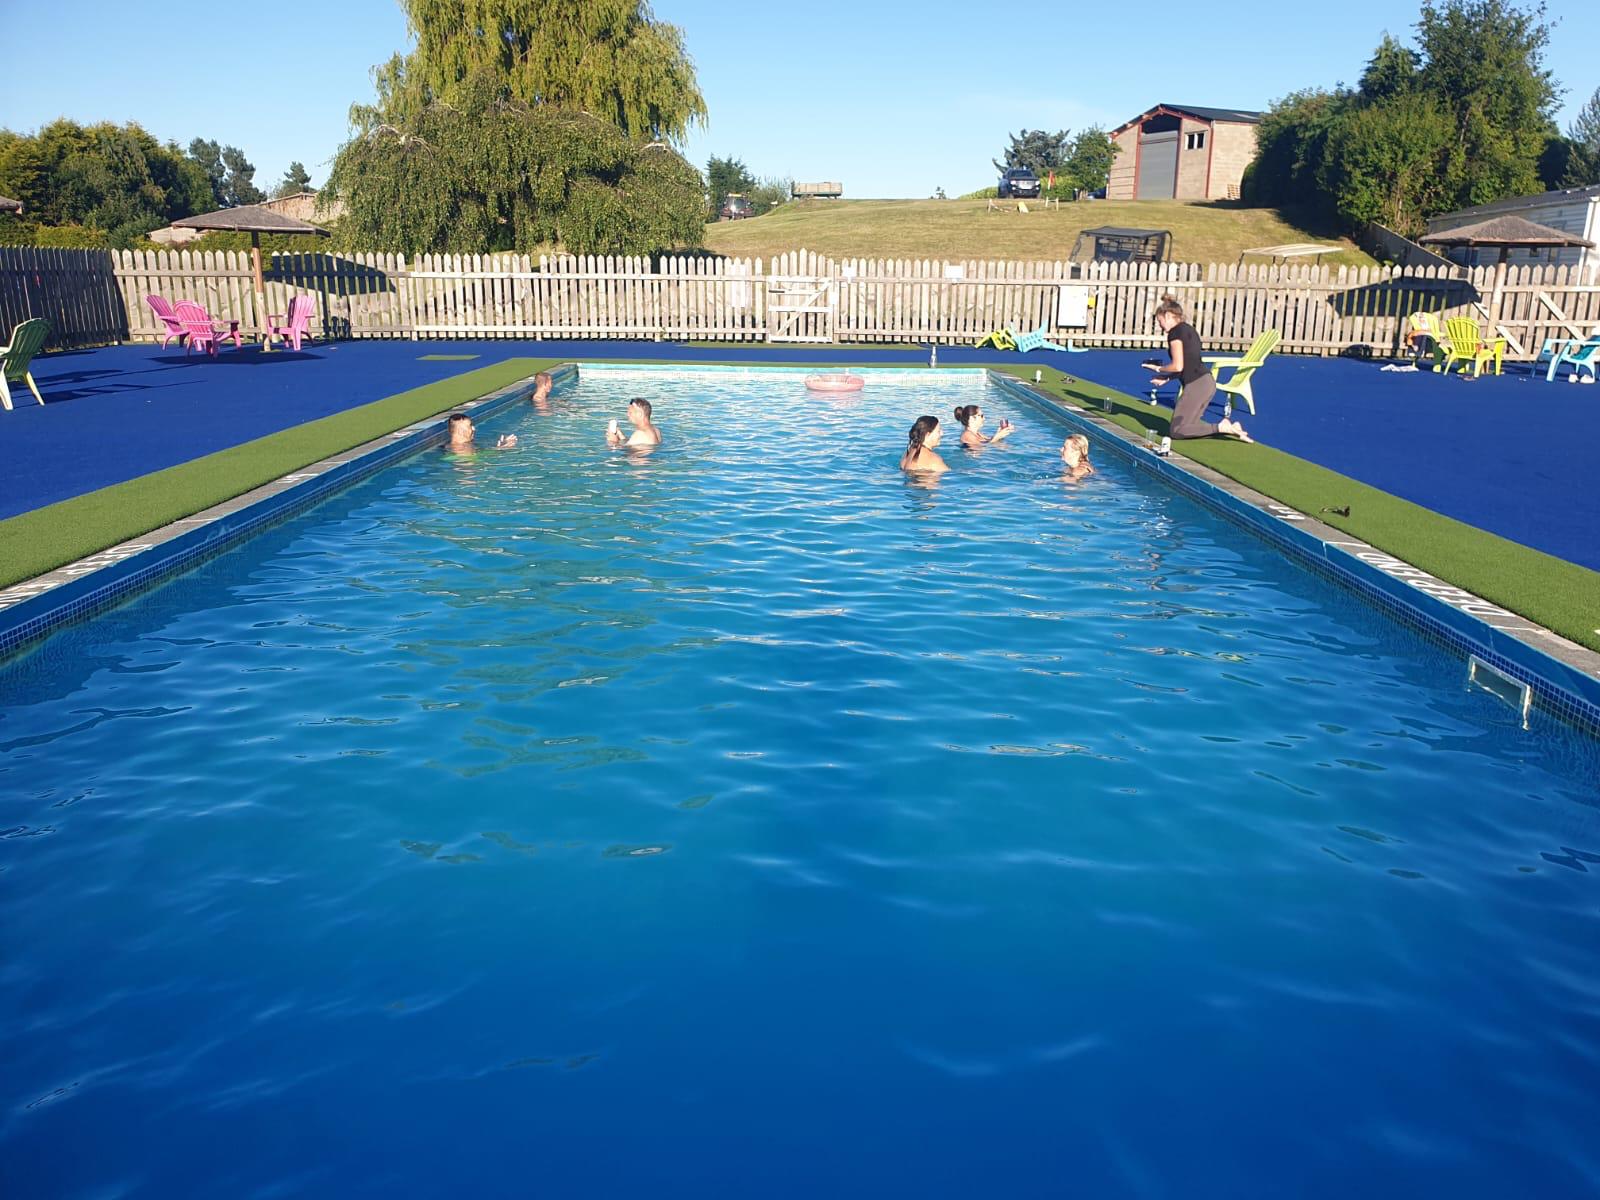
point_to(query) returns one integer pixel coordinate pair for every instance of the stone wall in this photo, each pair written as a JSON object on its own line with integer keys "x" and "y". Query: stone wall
{"x": 1124, "y": 165}
{"x": 1232, "y": 148}
{"x": 1192, "y": 164}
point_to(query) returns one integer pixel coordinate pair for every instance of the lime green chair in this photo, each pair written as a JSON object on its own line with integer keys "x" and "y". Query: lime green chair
{"x": 1464, "y": 343}
{"x": 1000, "y": 339}
{"x": 1238, "y": 383}
{"x": 27, "y": 340}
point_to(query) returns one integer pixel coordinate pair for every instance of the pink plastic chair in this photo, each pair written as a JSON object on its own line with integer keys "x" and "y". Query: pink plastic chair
{"x": 298, "y": 324}
{"x": 204, "y": 333}
{"x": 173, "y": 328}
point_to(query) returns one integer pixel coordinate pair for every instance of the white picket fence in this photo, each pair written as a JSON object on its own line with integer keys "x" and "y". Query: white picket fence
{"x": 97, "y": 296}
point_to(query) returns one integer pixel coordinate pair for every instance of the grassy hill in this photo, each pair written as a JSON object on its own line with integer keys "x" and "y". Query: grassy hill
{"x": 956, "y": 230}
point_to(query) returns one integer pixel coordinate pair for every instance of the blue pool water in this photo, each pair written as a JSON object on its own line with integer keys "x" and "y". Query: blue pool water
{"x": 743, "y": 820}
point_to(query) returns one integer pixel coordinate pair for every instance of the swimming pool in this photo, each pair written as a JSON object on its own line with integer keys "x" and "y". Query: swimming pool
{"x": 746, "y": 819}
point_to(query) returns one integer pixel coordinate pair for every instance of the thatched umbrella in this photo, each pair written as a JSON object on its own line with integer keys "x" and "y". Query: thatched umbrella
{"x": 1507, "y": 233}
{"x": 9, "y": 205}
{"x": 254, "y": 219}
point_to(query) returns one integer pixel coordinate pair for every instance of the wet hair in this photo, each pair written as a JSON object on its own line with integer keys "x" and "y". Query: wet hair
{"x": 454, "y": 417}
{"x": 1169, "y": 306}
{"x": 920, "y": 430}
{"x": 1082, "y": 442}
{"x": 966, "y": 412}
{"x": 642, "y": 403}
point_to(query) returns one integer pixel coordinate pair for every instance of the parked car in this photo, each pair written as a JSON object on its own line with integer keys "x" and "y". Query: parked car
{"x": 737, "y": 206}
{"x": 1019, "y": 181}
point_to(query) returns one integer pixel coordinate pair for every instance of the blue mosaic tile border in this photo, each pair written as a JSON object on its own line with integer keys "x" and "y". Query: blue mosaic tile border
{"x": 107, "y": 579}
{"x": 1559, "y": 690}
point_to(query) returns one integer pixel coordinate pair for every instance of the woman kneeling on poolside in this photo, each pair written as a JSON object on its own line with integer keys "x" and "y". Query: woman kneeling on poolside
{"x": 919, "y": 456}
{"x": 1198, "y": 386}
{"x": 971, "y": 418}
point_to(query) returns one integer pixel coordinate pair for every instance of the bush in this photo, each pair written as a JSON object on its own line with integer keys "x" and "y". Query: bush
{"x": 987, "y": 193}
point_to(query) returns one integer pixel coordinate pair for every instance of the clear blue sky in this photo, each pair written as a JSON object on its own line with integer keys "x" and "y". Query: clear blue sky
{"x": 892, "y": 97}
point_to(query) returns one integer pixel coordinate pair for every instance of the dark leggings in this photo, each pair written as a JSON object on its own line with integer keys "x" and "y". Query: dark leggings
{"x": 1192, "y": 404}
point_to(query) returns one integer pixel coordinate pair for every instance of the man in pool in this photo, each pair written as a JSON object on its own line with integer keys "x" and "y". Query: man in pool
{"x": 462, "y": 431}
{"x": 541, "y": 391}
{"x": 644, "y": 432}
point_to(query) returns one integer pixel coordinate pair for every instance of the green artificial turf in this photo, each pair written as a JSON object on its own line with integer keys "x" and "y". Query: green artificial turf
{"x": 1559, "y": 595}
{"x": 50, "y": 537}
{"x": 1549, "y": 591}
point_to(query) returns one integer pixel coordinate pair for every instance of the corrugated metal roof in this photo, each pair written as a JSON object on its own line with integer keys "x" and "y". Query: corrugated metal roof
{"x": 1513, "y": 203}
{"x": 1241, "y": 116}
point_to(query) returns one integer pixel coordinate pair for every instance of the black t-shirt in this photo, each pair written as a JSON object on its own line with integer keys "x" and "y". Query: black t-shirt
{"x": 1193, "y": 368}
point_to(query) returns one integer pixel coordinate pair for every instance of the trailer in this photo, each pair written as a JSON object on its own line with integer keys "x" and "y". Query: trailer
{"x": 816, "y": 191}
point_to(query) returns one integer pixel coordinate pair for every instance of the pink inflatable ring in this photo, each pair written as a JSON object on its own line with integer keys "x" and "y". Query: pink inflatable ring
{"x": 834, "y": 383}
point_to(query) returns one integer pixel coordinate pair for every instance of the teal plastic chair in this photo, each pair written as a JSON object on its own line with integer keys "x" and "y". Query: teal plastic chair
{"x": 27, "y": 340}
{"x": 1581, "y": 355}
{"x": 1024, "y": 342}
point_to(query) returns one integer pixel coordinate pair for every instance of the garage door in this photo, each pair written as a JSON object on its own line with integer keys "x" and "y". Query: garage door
{"x": 1158, "y": 166}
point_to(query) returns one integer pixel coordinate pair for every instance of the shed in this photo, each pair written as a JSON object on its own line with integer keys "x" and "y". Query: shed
{"x": 1182, "y": 152}
{"x": 1574, "y": 211}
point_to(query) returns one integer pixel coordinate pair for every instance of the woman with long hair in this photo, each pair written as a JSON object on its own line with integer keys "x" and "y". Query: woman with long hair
{"x": 1197, "y": 387}
{"x": 920, "y": 445}
{"x": 970, "y": 417}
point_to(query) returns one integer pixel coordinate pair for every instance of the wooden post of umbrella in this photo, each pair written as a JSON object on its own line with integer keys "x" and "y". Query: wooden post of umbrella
{"x": 261, "y": 289}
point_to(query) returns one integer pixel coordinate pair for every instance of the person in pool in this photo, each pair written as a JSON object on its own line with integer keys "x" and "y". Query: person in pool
{"x": 540, "y": 398}
{"x": 1198, "y": 386}
{"x": 972, "y": 436}
{"x": 462, "y": 431}
{"x": 1075, "y": 458}
{"x": 924, "y": 439}
{"x": 644, "y": 432}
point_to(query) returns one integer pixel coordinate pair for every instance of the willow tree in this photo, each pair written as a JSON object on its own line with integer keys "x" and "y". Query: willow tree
{"x": 608, "y": 58}
{"x": 488, "y": 172}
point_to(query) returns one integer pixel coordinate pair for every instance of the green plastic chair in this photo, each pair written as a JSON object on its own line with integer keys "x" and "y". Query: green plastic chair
{"x": 27, "y": 340}
{"x": 1238, "y": 384}
{"x": 1465, "y": 343}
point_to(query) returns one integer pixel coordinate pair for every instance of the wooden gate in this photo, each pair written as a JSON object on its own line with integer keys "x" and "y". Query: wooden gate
{"x": 801, "y": 308}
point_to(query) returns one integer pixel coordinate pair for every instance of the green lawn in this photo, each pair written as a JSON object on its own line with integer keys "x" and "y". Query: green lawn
{"x": 963, "y": 230}
{"x": 1557, "y": 594}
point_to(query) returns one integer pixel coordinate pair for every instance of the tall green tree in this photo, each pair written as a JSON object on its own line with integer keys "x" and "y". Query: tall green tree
{"x": 231, "y": 174}
{"x": 1087, "y": 166}
{"x": 1037, "y": 149}
{"x": 295, "y": 180}
{"x": 1291, "y": 144}
{"x": 725, "y": 175}
{"x": 1582, "y": 166}
{"x": 488, "y": 172}
{"x": 1383, "y": 162}
{"x": 116, "y": 179}
{"x": 609, "y": 58}
{"x": 1484, "y": 61}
